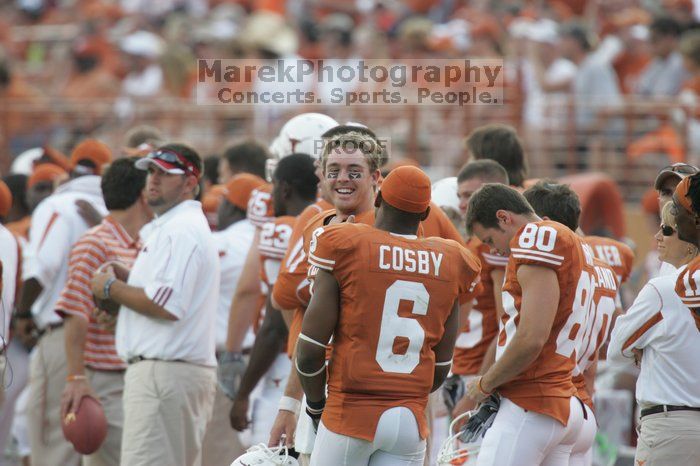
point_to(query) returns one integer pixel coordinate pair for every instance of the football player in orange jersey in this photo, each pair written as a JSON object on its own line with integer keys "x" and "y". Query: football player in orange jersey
{"x": 384, "y": 363}
{"x": 540, "y": 418}
{"x": 294, "y": 188}
{"x": 686, "y": 209}
{"x": 350, "y": 164}
{"x": 558, "y": 202}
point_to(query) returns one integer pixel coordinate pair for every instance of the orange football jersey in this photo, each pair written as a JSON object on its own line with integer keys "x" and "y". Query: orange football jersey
{"x": 688, "y": 288}
{"x": 260, "y": 208}
{"x": 545, "y": 386}
{"x": 273, "y": 244}
{"x": 396, "y": 293}
{"x": 616, "y": 254}
{"x": 596, "y": 326}
{"x": 285, "y": 290}
{"x": 482, "y": 327}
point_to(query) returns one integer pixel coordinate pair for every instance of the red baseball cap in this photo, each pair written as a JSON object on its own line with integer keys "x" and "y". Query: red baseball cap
{"x": 170, "y": 162}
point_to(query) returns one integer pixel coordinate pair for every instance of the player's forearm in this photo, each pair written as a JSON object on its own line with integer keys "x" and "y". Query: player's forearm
{"x": 244, "y": 308}
{"x": 489, "y": 356}
{"x": 31, "y": 289}
{"x": 293, "y": 388}
{"x": 137, "y": 300}
{"x": 520, "y": 353}
{"x": 311, "y": 368}
{"x": 268, "y": 345}
{"x": 74, "y": 342}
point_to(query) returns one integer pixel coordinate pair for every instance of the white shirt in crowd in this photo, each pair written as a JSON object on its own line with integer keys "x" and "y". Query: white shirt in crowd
{"x": 10, "y": 258}
{"x": 661, "y": 325}
{"x": 233, "y": 245}
{"x": 178, "y": 267}
{"x": 55, "y": 228}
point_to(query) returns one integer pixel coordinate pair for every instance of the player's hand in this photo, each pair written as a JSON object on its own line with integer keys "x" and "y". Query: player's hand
{"x": 73, "y": 393}
{"x": 238, "y": 416}
{"x": 284, "y": 427}
{"x": 474, "y": 392}
{"x": 462, "y": 406}
{"x": 88, "y": 213}
{"x": 105, "y": 320}
{"x": 98, "y": 282}
{"x": 118, "y": 269}
{"x": 229, "y": 372}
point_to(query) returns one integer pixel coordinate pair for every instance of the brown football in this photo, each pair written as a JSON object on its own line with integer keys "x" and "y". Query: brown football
{"x": 87, "y": 428}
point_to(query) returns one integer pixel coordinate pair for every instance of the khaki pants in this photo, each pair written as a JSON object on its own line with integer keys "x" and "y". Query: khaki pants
{"x": 47, "y": 377}
{"x": 166, "y": 408}
{"x": 669, "y": 439}
{"x": 109, "y": 388}
{"x": 221, "y": 444}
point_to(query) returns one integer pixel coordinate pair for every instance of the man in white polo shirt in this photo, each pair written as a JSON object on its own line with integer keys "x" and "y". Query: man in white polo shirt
{"x": 166, "y": 324}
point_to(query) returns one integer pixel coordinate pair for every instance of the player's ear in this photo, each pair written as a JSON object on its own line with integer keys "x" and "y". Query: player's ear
{"x": 503, "y": 217}
{"x": 425, "y": 214}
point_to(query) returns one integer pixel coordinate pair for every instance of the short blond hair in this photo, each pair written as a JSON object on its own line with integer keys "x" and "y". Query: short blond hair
{"x": 667, "y": 218}
{"x": 368, "y": 145}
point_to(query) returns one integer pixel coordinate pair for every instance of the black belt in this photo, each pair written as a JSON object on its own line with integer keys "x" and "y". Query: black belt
{"x": 135, "y": 359}
{"x": 665, "y": 408}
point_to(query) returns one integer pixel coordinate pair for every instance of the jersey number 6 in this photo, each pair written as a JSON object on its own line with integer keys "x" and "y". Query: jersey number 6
{"x": 393, "y": 327}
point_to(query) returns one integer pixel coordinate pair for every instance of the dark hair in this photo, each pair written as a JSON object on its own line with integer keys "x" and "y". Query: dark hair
{"x": 666, "y": 26}
{"x": 694, "y": 192}
{"x": 486, "y": 169}
{"x": 143, "y": 134}
{"x": 298, "y": 171}
{"x": 122, "y": 183}
{"x": 5, "y": 74}
{"x": 491, "y": 198}
{"x": 556, "y": 201}
{"x": 211, "y": 169}
{"x": 187, "y": 152}
{"x": 500, "y": 143}
{"x": 18, "y": 187}
{"x": 247, "y": 157}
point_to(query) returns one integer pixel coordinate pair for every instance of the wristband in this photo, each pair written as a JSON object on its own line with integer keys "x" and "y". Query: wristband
{"x": 479, "y": 387}
{"x": 287, "y": 403}
{"x": 72, "y": 378}
{"x": 108, "y": 285}
{"x": 315, "y": 406}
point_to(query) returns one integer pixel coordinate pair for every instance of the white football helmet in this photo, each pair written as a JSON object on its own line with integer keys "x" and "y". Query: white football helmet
{"x": 453, "y": 452}
{"x": 300, "y": 134}
{"x": 444, "y": 193}
{"x": 262, "y": 455}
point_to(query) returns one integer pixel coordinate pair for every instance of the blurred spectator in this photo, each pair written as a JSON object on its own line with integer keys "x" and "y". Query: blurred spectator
{"x": 145, "y": 76}
{"x": 142, "y": 139}
{"x": 595, "y": 86}
{"x": 89, "y": 79}
{"x": 211, "y": 172}
{"x": 665, "y": 74}
{"x": 245, "y": 157}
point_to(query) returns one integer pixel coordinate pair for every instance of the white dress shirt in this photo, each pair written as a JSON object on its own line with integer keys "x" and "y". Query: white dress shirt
{"x": 659, "y": 324}
{"x": 178, "y": 268}
{"x": 56, "y": 226}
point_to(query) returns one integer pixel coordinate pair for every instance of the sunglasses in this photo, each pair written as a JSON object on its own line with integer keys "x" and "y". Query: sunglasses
{"x": 667, "y": 230}
{"x": 176, "y": 159}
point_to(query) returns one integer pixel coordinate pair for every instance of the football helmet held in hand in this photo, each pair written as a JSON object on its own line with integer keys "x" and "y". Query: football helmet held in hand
{"x": 262, "y": 455}
{"x": 453, "y": 451}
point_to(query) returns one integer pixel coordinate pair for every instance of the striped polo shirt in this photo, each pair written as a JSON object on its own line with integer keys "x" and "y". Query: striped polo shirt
{"x": 106, "y": 242}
